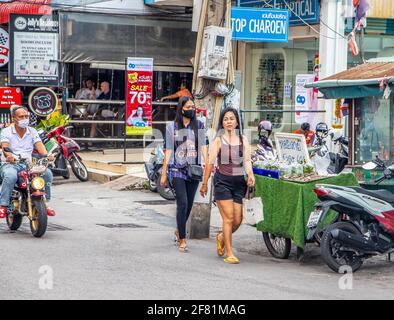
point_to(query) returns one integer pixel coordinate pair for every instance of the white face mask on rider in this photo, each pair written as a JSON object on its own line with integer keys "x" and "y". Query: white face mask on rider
{"x": 24, "y": 123}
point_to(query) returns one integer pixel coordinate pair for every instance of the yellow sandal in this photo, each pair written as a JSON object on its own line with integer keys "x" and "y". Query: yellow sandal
{"x": 231, "y": 260}
{"x": 219, "y": 246}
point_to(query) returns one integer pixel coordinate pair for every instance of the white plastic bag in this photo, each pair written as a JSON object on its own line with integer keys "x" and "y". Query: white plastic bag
{"x": 253, "y": 211}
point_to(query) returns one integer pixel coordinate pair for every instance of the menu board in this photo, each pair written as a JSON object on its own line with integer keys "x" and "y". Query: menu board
{"x": 291, "y": 148}
{"x": 34, "y": 50}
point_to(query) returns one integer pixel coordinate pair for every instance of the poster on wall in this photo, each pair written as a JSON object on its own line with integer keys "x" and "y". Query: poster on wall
{"x": 305, "y": 99}
{"x": 9, "y": 97}
{"x": 34, "y": 50}
{"x": 139, "y": 96}
{"x": 4, "y": 47}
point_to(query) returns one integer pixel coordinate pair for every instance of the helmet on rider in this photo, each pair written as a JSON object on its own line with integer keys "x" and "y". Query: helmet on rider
{"x": 305, "y": 126}
{"x": 264, "y": 129}
{"x": 321, "y": 130}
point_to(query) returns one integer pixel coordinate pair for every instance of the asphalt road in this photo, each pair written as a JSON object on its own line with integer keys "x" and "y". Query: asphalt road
{"x": 106, "y": 244}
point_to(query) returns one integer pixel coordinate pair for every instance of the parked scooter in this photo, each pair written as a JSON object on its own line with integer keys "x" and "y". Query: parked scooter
{"x": 153, "y": 170}
{"x": 366, "y": 225}
{"x": 64, "y": 149}
{"x": 28, "y": 197}
{"x": 327, "y": 162}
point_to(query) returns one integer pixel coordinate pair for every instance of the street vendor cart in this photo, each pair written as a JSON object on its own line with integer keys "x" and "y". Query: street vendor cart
{"x": 287, "y": 206}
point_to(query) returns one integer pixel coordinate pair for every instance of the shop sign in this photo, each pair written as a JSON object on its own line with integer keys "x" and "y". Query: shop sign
{"x": 34, "y": 50}
{"x": 291, "y": 147}
{"x": 4, "y": 47}
{"x": 305, "y": 99}
{"x": 9, "y": 97}
{"x": 139, "y": 96}
{"x": 262, "y": 25}
{"x": 43, "y": 101}
{"x": 307, "y": 10}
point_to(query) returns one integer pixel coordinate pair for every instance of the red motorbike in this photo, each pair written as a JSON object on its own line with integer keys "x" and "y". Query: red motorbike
{"x": 64, "y": 149}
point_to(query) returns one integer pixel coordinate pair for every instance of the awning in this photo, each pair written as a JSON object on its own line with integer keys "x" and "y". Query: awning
{"x": 25, "y": 6}
{"x": 358, "y": 82}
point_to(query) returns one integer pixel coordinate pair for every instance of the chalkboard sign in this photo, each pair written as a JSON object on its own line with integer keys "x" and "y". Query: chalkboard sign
{"x": 291, "y": 147}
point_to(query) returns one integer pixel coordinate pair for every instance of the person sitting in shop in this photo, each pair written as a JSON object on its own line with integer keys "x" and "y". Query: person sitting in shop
{"x": 105, "y": 112}
{"x": 183, "y": 92}
{"x": 89, "y": 92}
{"x": 307, "y": 132}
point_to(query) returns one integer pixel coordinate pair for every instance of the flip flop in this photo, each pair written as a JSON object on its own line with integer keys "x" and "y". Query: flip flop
{"x": 219, "y": 246}
{"x": 183, "y": 248}
{"x": 231, "y": 260}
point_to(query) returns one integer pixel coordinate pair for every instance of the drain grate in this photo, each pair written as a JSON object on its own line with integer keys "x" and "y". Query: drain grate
{"x": 25, "y": 227}
{"x": 121, "y": 225}
{"x": 156, "y": 202}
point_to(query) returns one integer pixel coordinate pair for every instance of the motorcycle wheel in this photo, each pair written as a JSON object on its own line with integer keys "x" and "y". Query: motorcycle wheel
{"x": 166, "y": 192}
{"x": 331, "y": 251}
{"x": 38, "y": 226}
{"x": 79, "y": 169}
{"x": 279, "y": 247}
{"x": 152, "y": 185}
{"x": 14, "y": 221}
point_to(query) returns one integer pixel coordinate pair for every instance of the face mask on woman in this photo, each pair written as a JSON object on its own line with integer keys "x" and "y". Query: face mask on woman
{"x": 190, "y": 114}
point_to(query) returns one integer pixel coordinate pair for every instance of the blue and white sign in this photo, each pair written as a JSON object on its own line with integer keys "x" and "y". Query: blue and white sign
{"x": 307, "y": 10}
{"x": 262, "y": 25}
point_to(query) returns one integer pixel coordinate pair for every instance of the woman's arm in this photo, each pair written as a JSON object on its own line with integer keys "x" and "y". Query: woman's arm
{"x": 211, "y": 157}
{"x": 248, "y": 162}
{"x": 167, "y": 157}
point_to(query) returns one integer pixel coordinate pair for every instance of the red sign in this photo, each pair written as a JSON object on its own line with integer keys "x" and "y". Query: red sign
{"x": 139, "y": 96}
{"x": 24, "y": 7}
{"x": 10, "y": 96}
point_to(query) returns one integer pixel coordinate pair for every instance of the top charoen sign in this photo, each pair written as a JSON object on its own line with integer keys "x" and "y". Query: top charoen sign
{"x": 307, "y": 10}
{"x": 262, "y": 25}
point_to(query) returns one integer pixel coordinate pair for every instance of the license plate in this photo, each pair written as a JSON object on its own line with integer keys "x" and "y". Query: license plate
{"x": 314, "y": 218}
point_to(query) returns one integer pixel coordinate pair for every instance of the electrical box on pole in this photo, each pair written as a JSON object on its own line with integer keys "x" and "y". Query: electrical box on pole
{"x": 215, "y": 53}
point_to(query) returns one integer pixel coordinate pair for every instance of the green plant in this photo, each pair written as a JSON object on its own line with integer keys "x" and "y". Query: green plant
{"x": 53, "y": 122}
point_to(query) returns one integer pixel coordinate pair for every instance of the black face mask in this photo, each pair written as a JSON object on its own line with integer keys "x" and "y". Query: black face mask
{"x": 190, "y": 114}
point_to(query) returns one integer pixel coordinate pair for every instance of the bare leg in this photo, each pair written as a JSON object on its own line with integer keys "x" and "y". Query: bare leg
{"x": 226, "y": 209}
{"x": 237, "y": 216}
{"x": 93, "y": 130}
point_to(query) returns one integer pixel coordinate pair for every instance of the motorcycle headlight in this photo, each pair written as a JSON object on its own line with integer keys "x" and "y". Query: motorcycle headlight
{"x": 38, "y": 183}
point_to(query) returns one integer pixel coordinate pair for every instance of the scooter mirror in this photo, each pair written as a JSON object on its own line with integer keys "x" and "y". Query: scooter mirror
{"x": 369, "y": 166}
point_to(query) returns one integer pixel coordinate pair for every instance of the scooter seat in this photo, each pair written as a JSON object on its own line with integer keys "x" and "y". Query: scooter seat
{"x": 382, "y": 194}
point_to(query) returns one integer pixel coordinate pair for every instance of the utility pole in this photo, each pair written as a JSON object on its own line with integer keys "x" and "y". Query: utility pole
{"x": 213, "y": 12}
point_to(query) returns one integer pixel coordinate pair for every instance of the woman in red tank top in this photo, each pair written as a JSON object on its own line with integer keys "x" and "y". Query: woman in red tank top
{"x": 232, "y": 151}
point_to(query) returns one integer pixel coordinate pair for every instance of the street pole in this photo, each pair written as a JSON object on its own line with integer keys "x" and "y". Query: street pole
{"x": 212, "y": 13}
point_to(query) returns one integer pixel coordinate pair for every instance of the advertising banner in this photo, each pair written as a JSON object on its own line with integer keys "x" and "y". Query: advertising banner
{"x": 263, "y": 25}
{"x": 9, "y": 97}
{"x": 304, "y": 98}
{"x": 139, "y": 96}
{"x": 4, "y": 47}
{"x": 34, "y": 50}
{"x": 43, "y": 101}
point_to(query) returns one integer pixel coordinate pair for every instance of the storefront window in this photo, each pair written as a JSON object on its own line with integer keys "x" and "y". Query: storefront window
{"x": 373, "y": 125}
{"x": 270, "y": 78}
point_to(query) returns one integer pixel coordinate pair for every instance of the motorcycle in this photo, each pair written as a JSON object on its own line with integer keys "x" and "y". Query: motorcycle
{"x": 28, "y": 197}
{"x": 327, "y": 162}
{"x": 64, "y": 149}
{"x": 365, "y": 227}
{"x": 153, "y": 170}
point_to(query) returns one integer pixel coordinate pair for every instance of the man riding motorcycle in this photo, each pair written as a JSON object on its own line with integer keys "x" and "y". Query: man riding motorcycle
{"x": 21, "y": 139}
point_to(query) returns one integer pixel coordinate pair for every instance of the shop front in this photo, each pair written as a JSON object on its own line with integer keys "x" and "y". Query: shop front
{"x": 95, "y": 46}
{"x": 272, "y": 70}
{"x": 367, "y": 90}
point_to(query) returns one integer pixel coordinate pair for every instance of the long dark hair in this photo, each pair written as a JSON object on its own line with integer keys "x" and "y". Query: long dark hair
{"x": 144, "y": 117}
{"x": 179, "y": 118}
{"x": 220, "y": 131}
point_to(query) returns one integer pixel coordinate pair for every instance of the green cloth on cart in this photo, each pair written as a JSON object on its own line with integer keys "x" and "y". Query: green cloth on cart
{"x": 287, "y": 205}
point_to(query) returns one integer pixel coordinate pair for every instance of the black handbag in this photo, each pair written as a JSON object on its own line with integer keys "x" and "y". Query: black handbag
{"x": 195, "y": 172}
